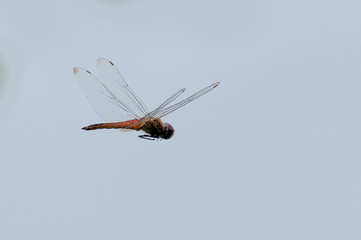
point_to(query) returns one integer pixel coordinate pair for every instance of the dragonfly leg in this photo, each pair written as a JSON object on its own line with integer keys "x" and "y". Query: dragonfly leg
{"x": 146, "y": 136}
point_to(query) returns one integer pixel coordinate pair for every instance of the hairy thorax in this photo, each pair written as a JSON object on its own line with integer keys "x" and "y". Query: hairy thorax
{"x": 153, "y": 127}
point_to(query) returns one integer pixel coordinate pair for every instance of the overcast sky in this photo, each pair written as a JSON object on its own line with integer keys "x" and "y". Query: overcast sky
{"x": 274, "y": 152}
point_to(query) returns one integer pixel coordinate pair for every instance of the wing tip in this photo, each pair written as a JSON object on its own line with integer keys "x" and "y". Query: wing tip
{"x": 216, "y": 84}
{"x": 79, "y": 70}
{"x": 101, "y": 59}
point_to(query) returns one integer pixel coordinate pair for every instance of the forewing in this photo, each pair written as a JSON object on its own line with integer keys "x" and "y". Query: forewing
{"x": 102, "y": 99}
{"x": 162, "y": 112}
{"x": 113, "y": 79}
{"x": 168, "y": 101}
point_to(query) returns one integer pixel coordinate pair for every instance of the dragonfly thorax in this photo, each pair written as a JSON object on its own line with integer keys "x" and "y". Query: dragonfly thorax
{"x": 157, "y": 129}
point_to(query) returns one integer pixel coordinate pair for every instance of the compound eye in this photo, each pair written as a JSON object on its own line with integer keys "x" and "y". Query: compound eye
{"x": 168, "y": 131}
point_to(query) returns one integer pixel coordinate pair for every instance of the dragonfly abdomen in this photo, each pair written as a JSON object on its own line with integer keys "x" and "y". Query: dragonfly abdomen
{"x": 131, "y": 124}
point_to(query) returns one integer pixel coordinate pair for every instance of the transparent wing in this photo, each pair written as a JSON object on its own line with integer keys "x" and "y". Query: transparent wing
{"x": 165, "y": 103}
{"x": 112, "y": 99}
{"x": 114, "y": 80}
{"x": 161, "y": 112}
{"x": 169, "y": 100}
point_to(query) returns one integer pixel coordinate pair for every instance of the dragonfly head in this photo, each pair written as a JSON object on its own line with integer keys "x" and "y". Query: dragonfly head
{"x": 168, "y": 131}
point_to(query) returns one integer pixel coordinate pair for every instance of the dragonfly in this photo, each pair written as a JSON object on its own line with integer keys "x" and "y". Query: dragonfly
{"x": 119, "y": 106}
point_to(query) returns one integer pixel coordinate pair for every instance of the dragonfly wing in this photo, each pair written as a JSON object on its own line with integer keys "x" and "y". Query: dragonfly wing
{"x": 103, "y": 100}
{"x": 113, "y": 79}
{"x": 169, "y": 100}
{"x": 164, "y": 111}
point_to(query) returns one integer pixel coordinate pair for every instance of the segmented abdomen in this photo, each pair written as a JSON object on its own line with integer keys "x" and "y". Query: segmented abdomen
{"x": 134, "y": 124}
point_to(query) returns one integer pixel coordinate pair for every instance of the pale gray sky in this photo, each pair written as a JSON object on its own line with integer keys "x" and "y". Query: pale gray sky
{"x": 272, "y": 153}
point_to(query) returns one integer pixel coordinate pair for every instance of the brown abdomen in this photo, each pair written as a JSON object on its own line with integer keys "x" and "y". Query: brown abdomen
{"x": 131, "y": 124}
